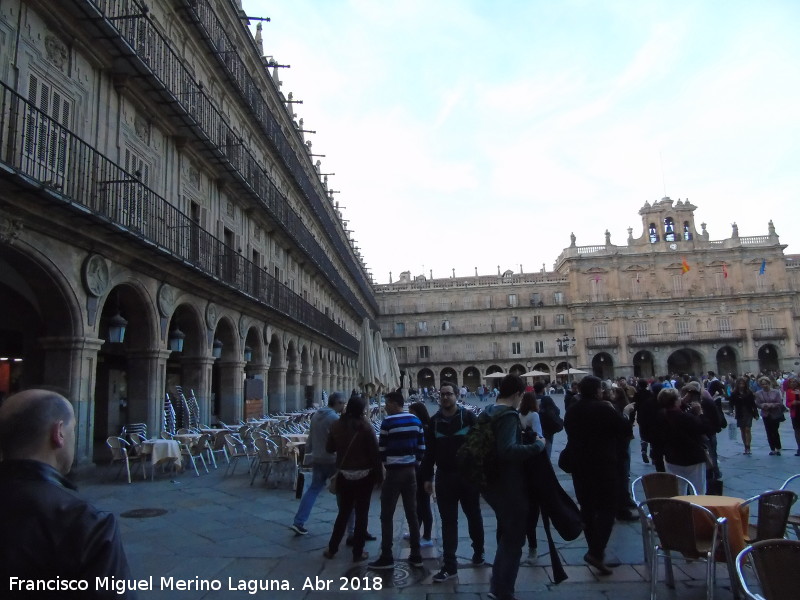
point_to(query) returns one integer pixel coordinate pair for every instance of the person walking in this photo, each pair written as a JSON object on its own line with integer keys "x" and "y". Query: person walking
{"x": 352, "y": 441}
{"x": 793, "y": 404}
{"x": 744, "y": 410}
{"x": 550, "y": 416}
{"x": 771, "y": 404}
{"x": 684, "y": 437}
{"x": 445, "y": 435}
{"x": 595, "y": 431}
{"x": 424, "y": 513}
{"x": 323, "y": 464}
{"x": 508, "y": 492}
{"x": 531, "y": 424}
{"x": 402, "y": 446}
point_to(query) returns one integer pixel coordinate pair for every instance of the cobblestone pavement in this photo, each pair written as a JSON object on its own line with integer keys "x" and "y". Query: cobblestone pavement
{"x": 215, "y": 529}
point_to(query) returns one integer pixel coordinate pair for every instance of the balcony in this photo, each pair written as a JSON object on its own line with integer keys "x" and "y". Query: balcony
{"x": 602, "y": 342}
{"x": 770, "y": 334}
{"x": 40, "y": 154}
{"x": 677, "y": 339}
{"x": 127, "y": 33}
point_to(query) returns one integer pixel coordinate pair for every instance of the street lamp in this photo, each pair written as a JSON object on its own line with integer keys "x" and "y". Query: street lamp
{"x": 564, "y": 345}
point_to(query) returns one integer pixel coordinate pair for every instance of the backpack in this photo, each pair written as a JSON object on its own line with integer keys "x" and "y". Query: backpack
{"x": 477, "y": 457}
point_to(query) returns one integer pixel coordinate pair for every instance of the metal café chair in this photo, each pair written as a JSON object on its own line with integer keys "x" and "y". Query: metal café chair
{"x": 794, "y": 518}
{"x": 775, "y": 567}
{"x": 772, "y": 515}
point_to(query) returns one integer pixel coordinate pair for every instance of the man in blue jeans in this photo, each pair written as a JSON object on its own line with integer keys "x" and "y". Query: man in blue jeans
{"x": 323, "y": 465}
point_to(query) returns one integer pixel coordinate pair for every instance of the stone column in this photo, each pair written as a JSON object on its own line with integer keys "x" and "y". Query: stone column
{"x": 317, "y": 380}
{"x": 70, "y": 365}
{"x": 276, "y": 387}
{"x": 231, "y": 387}
{"x": 196, "y": 375}
{"x": 146, "y": 382}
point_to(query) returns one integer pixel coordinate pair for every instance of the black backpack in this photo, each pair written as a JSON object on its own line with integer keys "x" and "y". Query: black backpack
{"x": 477, "y": 456}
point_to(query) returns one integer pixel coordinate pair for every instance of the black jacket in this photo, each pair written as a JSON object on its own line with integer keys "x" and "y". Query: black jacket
{"x": 49, "y": 532}
{"x": 443, "y": 437}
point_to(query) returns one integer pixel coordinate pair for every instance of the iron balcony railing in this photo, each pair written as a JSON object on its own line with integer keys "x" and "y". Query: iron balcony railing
{"x": 665, "y": 339}
{"x": 126, "y": 22}
{"x": 602, "y": 342}
{"x": 779, "y": 333}
{"x": 40, "y": 149}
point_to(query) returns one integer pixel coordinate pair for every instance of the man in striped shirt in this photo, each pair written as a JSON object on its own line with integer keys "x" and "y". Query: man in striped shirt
{"x": 402, "y": 446}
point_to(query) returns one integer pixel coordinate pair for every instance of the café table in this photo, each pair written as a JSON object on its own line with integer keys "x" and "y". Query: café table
{"x": 186, "y": 438}
{"x": 731, "y": 508}
{"x": 163, "y": 451}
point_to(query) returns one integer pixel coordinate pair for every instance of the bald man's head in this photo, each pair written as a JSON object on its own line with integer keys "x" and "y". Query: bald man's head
{"x": 39, "y": 425}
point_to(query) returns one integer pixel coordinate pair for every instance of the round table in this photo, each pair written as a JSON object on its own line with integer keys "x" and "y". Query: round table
{"x": 729, "y": 507}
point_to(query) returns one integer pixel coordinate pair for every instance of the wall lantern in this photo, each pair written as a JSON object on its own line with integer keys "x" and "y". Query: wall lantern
{"x": 116, "y": 329}
{"x": 248, "y": 353}
{"x": 216, "y": 349}
{"x": 176, "y": 338}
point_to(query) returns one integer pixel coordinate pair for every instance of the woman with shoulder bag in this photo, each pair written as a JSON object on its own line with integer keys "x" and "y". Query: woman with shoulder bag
{"x": 771, "y": 405}
{"x": 359, "y": 470}
{"x": 745, "y": 410}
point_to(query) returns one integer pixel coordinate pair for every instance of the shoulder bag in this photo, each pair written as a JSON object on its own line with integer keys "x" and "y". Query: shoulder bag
{"x": 332, "y": 480}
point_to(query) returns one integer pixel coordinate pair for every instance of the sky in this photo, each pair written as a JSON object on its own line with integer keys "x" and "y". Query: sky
{"x": 468, "y": 134}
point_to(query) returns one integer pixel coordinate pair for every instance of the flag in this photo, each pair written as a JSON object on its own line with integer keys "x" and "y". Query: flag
{"x": 724, "y": 271}
{"x": 685, "y": 266}
{"x": 763, "y": 268}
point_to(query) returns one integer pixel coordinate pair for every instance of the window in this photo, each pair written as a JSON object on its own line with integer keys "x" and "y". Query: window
{"x": 537, "y": 321}
{"x": 424, "y": 351}
{"x": 402, "y": 354}
{"x": 422, "y": 326}
{"x": 46, "y": 140}
{"x": 512, "y": 300}
{"x": 597, "y": 288}
{"x": 134, "y": 206}
{"x": 669, "y": 230}
{"x": 653, "y": 232}
{"x": 677, "y": 284}
{"x": 687, "y": 232}
{"x": 514, "y": 322}
{"x": 515, "y": 348}
{"x": 445, "y": 325}
{"x": 724, "y": 325}
{"x": 640, "y": 329}
{"x": 536, "y": 299}
{"x": 399, "y": 328}
{"x": 719, "y": 282}
{"x": 767, "y": 322}
{"x": 761, "y": 281}
{"x": 538, "y": 347}
{"x": 682, "y": 326}
{"x": 561, "y": 319}
{"x": 636, "y": 287}
{"x": 558, "y": 297}
{"x": 601, "y": 331}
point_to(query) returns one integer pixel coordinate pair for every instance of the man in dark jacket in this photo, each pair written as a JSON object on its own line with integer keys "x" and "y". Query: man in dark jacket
{"x": 49, "y": 533}
{"x": 549, "y": 415}
{"x": 508, "y": 493}
{"x": 445, "y": 435}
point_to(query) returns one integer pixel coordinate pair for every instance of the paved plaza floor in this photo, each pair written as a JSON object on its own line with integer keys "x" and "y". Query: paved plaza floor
{"x": 218, "y": 530}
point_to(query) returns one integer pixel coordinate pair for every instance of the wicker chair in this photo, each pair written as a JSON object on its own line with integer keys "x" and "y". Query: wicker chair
{"x": 195, "y": 452}
{"x": 776, "y": 565}
{"x": 119, "y": 453}
{"x": 772, "y": 515}
{"x": 794, "y": 519}
{"x": 674, "y": 522}
{"x": 657, "y": 485}
{"x": 268, "y": 455}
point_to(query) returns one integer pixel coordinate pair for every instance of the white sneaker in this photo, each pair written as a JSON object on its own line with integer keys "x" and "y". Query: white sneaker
{"x": 423, "y": 543}
{"x": 406, "y": 536}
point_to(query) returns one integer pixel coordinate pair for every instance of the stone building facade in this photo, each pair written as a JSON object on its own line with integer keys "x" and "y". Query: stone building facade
{"x": 153, "y": 174}
{"x": 669, "y": 301}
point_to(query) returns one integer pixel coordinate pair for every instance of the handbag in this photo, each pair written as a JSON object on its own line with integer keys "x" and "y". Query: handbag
{"x": 335, "y": 476}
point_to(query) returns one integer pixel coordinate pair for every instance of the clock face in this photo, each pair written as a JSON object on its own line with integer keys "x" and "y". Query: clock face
{"x": 673, "y": 246}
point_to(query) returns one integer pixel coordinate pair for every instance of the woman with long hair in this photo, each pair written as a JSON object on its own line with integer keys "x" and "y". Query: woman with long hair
{"x": 770, "y": 402}
{"x": 424, "y": 514}
{"x": 358, "y": 461}
{"x": 744, "y": 410}
{"x": 684, "y": 437}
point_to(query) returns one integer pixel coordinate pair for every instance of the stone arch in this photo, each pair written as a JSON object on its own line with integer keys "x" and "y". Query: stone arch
{"x": 768, "y": 358}
{"x": 685, "y": 361}
{"x": 644, "y": 364}
{"x": 425, "y": 379}
{"x": 293, "y": 370}
{"x": 494, "y": 369}
{"x": 471, "y": 378}
{"x": 517, "y": 369}
{"x": 190, "y": 368}
{"x": 124, "y": 370}
{"x": 449, "y": 375}
{"x": 544, "y": 368}
{"x": 227, "y": 371}
{"x": 603, "y": 365}
{"x": 727, "y": 361}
